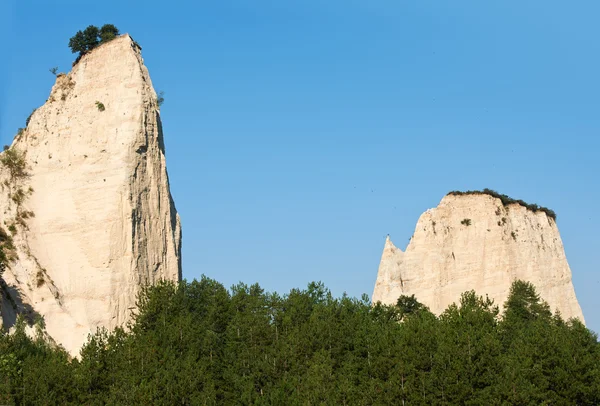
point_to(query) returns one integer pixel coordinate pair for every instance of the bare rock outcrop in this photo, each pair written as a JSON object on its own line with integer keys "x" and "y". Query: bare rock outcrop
{"x": 91, "y": 217}
{"x": 475, "y": 242}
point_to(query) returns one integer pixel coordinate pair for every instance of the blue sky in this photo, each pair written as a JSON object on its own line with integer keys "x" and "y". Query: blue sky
{"x": 300, "y": 133}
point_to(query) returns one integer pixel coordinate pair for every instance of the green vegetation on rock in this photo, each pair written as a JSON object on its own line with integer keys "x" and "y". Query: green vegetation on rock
{"x": 14, "y": 160}
{"x": 506, "y": 200}
{"x": 84, "y": 41}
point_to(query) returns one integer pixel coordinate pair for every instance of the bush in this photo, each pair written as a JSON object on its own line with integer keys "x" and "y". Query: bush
{"x": 506, "y": 201}
{"x": 6, "y": 245}
{"x": 100, "y": 106}
{"x": 466, "y": 222}
{"x": 160, "y": 99}
{"x": 14, "y": 160}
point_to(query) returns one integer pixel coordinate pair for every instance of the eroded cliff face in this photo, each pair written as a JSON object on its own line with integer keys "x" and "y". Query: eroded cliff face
{"x": 473, "y": 242}
{"x": 96, "y": 220}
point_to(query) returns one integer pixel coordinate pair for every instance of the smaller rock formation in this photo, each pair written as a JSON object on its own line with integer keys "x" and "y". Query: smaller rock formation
{"x": 479, "y": 241}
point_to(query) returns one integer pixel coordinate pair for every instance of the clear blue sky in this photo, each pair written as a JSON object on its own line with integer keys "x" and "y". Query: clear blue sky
{"x": 300, "y": 133}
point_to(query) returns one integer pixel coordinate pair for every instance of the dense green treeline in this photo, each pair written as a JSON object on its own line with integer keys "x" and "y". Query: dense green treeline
{"x": 198, "y": 343}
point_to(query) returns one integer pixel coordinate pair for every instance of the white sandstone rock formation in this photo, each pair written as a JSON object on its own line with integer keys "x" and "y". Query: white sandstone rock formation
{"x": 96, "y": 220}
{"x": 474, "y": 242}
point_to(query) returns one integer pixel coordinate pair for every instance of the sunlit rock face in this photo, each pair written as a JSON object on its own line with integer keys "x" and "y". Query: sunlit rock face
{"x": 474, "y": 242}
{"x": 101, "y": 220}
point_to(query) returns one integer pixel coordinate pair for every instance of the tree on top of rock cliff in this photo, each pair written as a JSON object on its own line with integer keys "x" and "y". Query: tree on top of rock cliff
{"x": 77, "y": 43}
{"x": 91, "y": 37}
{"x": 108, "y": 32}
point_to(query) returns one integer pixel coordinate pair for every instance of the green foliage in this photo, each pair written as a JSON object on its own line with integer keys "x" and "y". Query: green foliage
{"x": 466, "y": 222}
{"x": 160, "y": 98}
{"x": 506, "y": 201}
{"x": 408, "y": 305}
{"x": 108, "y": 32}
{"x": 14, "y": 160}
{"x": 54, "y": 70}
{"x": 77, "y": 43}
{"x": 199, "y": 343}
{"x": 90, "y": 37}
{"x": 100, "y": 106}
{"x": 84, "y": 41}
{"x": 6, "y": 246}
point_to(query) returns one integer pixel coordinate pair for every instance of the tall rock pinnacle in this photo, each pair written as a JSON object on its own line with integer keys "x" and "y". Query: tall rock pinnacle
{"x": 475, "y": 242}
{"x": 95, "y": 220}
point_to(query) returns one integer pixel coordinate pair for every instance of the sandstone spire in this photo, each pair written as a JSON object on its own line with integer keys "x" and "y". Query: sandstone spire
{"x": 99, "y": 219}
{"x": 476, "y": 242}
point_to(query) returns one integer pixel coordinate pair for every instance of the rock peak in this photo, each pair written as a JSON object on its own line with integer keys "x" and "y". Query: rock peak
{"x": 100, "y": 219}
{"x": 479, "y": 241}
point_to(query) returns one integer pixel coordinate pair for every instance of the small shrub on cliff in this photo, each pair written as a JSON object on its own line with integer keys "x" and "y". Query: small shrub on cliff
{"x": 28, "y": 119}
{"x": 466, "y": 222}
{"x": 14, "y": 161}
{"x": 100, "y": 106}
{"x": 6, "y": 245}
{"x": 160, "y": 99}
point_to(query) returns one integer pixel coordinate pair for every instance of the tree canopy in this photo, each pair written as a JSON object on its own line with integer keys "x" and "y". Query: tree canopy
{"x": 199, "y": 343}
{"x": 88, "y": 39}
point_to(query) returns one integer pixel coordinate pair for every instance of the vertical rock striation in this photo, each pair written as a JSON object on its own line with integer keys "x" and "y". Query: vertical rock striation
{"x": 474, "y": 242}
{"x": 99, "y": 218}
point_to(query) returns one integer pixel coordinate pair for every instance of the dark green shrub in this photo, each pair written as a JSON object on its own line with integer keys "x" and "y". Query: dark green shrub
{"x": 160, "y": 98}
{"x": 466, "y": 222}
{"x": 54, "y": 70}
{"x": 100, "y": 106}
